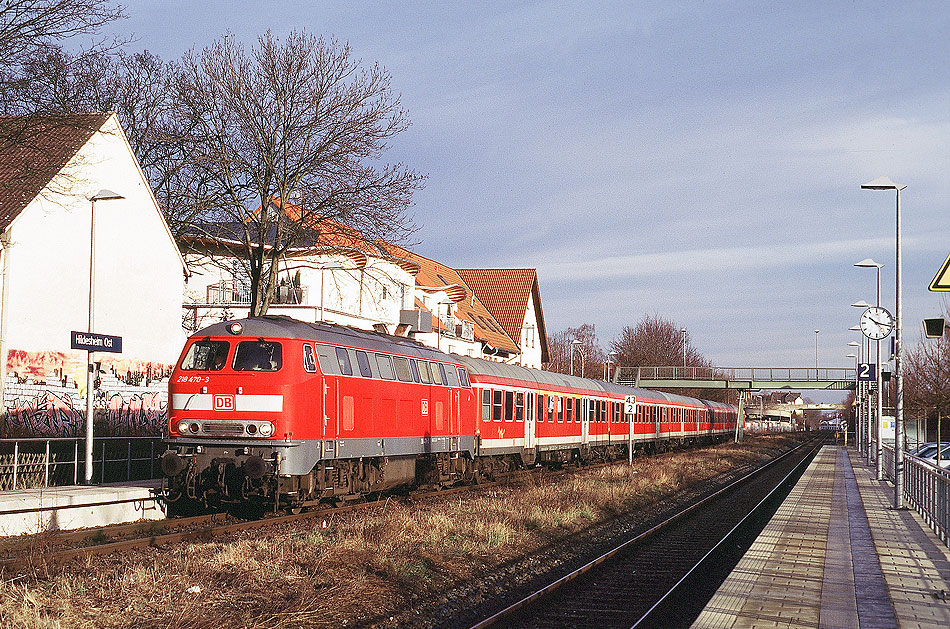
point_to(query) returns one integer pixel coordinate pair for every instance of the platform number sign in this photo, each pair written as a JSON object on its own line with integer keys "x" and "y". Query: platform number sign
{"x": 867, "y": 372}
{"x": 630, "y": 404}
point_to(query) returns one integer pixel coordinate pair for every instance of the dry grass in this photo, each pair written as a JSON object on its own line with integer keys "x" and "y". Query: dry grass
{"x": 359, "y": 568}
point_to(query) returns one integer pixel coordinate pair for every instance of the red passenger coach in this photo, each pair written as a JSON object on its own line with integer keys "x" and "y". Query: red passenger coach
{"x": 280, "y": 412}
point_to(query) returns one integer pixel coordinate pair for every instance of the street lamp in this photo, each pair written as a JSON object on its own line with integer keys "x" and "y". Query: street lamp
{"x": 102, "y": 195}
{"x": 607, "y": 364}
{"x": 816, "y": 353}
{"x": 883, "y": 183}
{"x": 574, "y": 344}
{"x": 868, "y": 263}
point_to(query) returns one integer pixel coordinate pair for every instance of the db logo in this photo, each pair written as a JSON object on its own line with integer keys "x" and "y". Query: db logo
{"x": 425, "y": 407}
{"x": 223, "y": 402}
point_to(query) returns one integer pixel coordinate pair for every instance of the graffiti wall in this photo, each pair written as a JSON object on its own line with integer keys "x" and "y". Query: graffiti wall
{"x": 45, "y": 396}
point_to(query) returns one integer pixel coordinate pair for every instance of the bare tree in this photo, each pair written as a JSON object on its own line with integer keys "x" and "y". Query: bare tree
{"x": 655, "y": 342}
{"x": 927, "y": 377}
{"x": 588, "y": 354}
{"x": 31, "y": 29}
{"x": 296, "y": 128}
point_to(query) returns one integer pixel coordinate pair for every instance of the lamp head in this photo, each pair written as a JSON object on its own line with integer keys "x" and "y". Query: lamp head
{"x": 106, "y": 195}
{"x": 861, "y": 304}
{"x": 882, "y": 183}
{"x": 868, "y": 263}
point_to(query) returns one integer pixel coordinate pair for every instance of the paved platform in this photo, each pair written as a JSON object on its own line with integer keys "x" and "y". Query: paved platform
{"x": 31, "y": 511}
{"x": 837, "y": 556}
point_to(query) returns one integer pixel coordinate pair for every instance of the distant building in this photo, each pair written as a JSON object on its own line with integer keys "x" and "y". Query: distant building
{"x": 338, "y": 277}
{"x": 50, "y": 168}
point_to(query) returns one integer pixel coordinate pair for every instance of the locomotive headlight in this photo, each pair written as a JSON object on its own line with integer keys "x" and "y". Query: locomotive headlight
{"x": 235, "y": 328}
{"x": 182, "y": 427}
{"x": 266, "y": 429}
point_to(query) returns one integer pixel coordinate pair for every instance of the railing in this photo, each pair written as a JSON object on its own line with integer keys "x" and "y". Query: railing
{"x": 926, "y": 488}
{"x": 801, "y": 374}
{"x": 225, "y": 292}
{"x": 43, "y": 462}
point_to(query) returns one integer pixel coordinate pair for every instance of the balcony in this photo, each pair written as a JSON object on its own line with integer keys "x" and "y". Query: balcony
{"x": 225, "y": 292}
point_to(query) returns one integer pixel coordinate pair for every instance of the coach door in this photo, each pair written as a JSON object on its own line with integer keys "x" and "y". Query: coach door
{"x": 528, "y": 410}
{"x": 585, "y": 418}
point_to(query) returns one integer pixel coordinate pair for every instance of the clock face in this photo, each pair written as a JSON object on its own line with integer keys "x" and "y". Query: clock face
{"x": 876, "y": 323}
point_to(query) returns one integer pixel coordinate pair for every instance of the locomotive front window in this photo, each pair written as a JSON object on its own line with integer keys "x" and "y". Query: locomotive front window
{"x": 258, "y": 356}
{"x": 206, "y": 356}
{"x": 463, "y": 378}
{"x": 436, "y": 374}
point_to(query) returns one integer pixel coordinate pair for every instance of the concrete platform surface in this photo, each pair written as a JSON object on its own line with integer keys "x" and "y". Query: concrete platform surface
{"x": 31, "y": 511}
{"x": 837, "y": 556}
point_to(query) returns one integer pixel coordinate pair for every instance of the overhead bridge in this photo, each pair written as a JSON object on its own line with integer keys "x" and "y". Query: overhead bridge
{"x": 743, "y": 378}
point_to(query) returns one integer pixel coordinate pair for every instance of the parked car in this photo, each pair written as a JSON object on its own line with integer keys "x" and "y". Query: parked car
{"x": 928, "y": 453}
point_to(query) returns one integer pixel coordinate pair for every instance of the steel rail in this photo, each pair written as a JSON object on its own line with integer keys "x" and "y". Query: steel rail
{"x": 555, "y": 585}
{"x": 725, "y": 537}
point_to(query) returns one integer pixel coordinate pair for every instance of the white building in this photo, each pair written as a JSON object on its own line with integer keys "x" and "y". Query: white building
{"x": 337, "y": 279}
{"x": 49, "y": 170}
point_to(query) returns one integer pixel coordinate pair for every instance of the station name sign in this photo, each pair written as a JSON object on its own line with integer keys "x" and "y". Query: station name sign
{"x": 93, "y": 342}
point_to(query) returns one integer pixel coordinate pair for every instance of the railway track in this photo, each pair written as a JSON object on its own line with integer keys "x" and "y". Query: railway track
{"x": 664, "y": 576}
{"x": 30, "y": 552}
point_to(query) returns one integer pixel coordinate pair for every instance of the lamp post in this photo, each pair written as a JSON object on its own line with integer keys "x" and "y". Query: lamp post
{"x": 855, "y": 357}
{"x": 860, "y": 415}
{"x": 102, "y": 195}
{"x": 574, "y": 343}
{"x": 816, "y": 353}
{"x": 859, "y": 389}
{"x": 883, "y": 183}
{"x": 684, "y": 347}
{"x": 879, "y": 410}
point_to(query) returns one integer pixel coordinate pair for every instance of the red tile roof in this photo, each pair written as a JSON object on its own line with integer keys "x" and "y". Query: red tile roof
{"x": 33, "y": 149}
{"x": 436, "y": 275}
{"x": 506, "y": 292}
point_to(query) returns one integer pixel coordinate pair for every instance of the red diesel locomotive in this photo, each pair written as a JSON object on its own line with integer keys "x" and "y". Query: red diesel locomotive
{"x": 275, "y": 411}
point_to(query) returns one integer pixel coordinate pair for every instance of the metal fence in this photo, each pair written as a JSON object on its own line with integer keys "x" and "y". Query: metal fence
{"x": 926, "y": 489}
{"x": 802, "y": 374}
{"x": 43, "y": 462}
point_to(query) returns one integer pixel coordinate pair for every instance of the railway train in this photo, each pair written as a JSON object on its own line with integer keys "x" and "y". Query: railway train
{"x": 283, "y": 413}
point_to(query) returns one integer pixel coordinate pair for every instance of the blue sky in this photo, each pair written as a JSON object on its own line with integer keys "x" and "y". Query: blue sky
{"x": 696, "y": 160}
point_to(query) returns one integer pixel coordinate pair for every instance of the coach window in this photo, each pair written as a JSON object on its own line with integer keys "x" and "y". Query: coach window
{"x": 309, "y": 360}
{"x": 569, "y": 413}
{"x": 486, "y": 405}
{"x": 519, "y": 406}
{"x": 402, "y": 369}
{"x": 424, "y": 374}
{"x": 539, "y": 408}
{"x": 496, "y": 405}
{"x": 344, "y": 359}
{"x": 363, "y": 361}
{"x": 257, "y": 356}
{"x": 560, "y": 410}
{"x": 385, "y": 365}
{"x": 552, "y": 402}
{"x": 509, "y": 405}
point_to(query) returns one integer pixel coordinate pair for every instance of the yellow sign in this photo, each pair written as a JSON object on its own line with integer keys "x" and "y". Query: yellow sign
{"x": 942, "y": 279}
